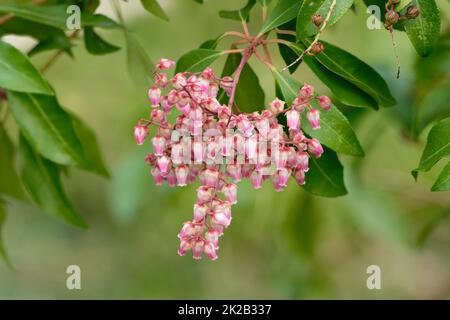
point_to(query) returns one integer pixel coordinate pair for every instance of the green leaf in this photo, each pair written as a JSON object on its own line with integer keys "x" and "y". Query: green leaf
{"x": 9, "y": 180}
{"x": 39, "y": 31}
{"x": 139, "y": 64}
{"x": 58, "y": 42}
{"x": 197, "y": 60}
{"x": 341, "y": 8}
{"x": 284, "y": 11}
{"x": 356, "y": 72}
{"x": 443, "y": 181}
{"x": 91, "y": 147}
{"x": 305, "y": 14}
{"x": 335, "y": 132}
{"x": 211, "y": 43}
{"x": 239, "y": 15}
{"x": 423, "y": 32}
{"x": 199, "y": 1}
{"x": 342, "y": 90}
{"x": 3, "y": 253}
{"x": 47, "y": 127}
{"x": 55, "y": 15}
{"x": 249, "y": 93}
{"x": 438, "y": 146}
{"x": 17, "y": 72}
{"x": 154, "y": 8}
{"x": 42, "y": 180}
{"x": 95, "y": 44}
{"x": 288, "y": 55}
{"x": 429, "y": 227}
{"x": 325, "y": 176}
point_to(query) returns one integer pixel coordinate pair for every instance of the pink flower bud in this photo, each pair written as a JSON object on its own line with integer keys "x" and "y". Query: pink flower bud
{"x": 161, "y": 80}
{"x": 263, "y": 127}
{"x": 276, "y": 182}
{"x": 234, "y": 171}
{"x": 213, "y": 237}
{"x": 293, "y": 119}
{"x": 208, "y": 73}
{"x": 306, "y": 92}
{"x": 256, "y": 179}
{"x": 283, "y": 177}
{"x": 200, "y": 211}
{"x": 171, "y": 178}
{"x": 166, "y": 105}
{"x": 185, "y": 245}
{"x": 205, "y": 194}
{"x": 277, "y": 106}
{"x": 223, "y": 112}
{"x": 179, "y": 81}
{"x": 159, "y": 145}
{"x": 302, "y": 161}
{"x": 165, "y": 64}
{"x": 221, "y": 218}
{"x": 244, "y": 125}
{"x": 324, "y": 102}
{"x": 181, "y": 173}
{"x": 210, "y": 250}
{"x": 210, "y": 177}
{"x": 140, "y": 133}
{"x": 299, "y": 176}
{"x": 227, "y": 85}
{"x": 314, "y": 118}
{"x": 251, "y": 147}
{"x": 197, "y": 249}
{"x": 163, "y": 165}
{"x": 281, "y": 158}
{"x": 188, "y": 230}
{"x": 230, "y": 192}
{"x": 154, "y": 95}
{"x": 198, "y": 151}
{"x": 156, "y": 173}
{"x": 315, "y": 147}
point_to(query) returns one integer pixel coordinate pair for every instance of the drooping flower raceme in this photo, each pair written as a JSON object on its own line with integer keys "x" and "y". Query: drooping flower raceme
{"x": 218, "y": 146}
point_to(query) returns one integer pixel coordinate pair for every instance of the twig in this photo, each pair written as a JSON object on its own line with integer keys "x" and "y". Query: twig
{"x": 397, "y": 58}
{"x": 288, "y": 32}
{"x": 316, "y": 39}
{"x": 263, "y": 60}
{"x": 233, "y": 51}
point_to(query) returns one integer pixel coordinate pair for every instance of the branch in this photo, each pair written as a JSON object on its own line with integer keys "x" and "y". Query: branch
{"x": 316, "y": 39}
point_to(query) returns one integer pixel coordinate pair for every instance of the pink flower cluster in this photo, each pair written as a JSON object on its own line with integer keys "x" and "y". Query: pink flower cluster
{"x": 220, "y": 145}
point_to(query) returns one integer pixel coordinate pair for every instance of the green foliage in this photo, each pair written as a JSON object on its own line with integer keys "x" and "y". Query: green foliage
{"x": 443, "y": 181}
{"x": 96, "y": 44}
{"x": 424, "y": 30}
{"x": 249, "y": 95}
{"x": 9, "y": 180}
{"x": 197, "y": 60}
{"x": 437, "y": 147}
{"x": 284, "y": 11}
{"x": 17, "y": 72}
{"x": 241, "y": 14}
{"x": 154, "y": 7}
{"x": 42, "y": 179}
{"x": 305, "y": 14}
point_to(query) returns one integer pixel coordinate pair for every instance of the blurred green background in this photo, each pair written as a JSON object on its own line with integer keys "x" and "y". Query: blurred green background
{"x": 288, "y": 245}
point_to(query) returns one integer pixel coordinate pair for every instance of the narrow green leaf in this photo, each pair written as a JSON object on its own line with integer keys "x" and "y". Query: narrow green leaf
{"x": 23, "y": 27}
{"x": 284, "y": 11}
{"x": 154, "y": 8}
{"x": 197, "y": 60}
{"x": 42, "y": 180}
{"x": 335, "y": 132}
{"x": 423, "y": 32}
{"x": 325, "y": 176}
{"x": 443, "y": 181}
{"x": 249, "y": 93}
{"x": 239, "y": 15}
{"x": 305, "y": 14}
{"x": 58, "y": 42}
{"x": 17, "y": 72}
{"x": 47, "y": 127}
{"x": 139, "y": 64}
{"x": 437, "y": 147}
{"x": 211, "y": 43}
{"x": 344, "y": 91}
{"x": 341, "y": 8}
{"x": 288, "y": 55}
{"x": 90, "y": 146}
{"x": 356, "y": 72}
{"x": 9, "y": 180}
{"x": 95, "y": 44}
{"x": 55, "y": 15}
